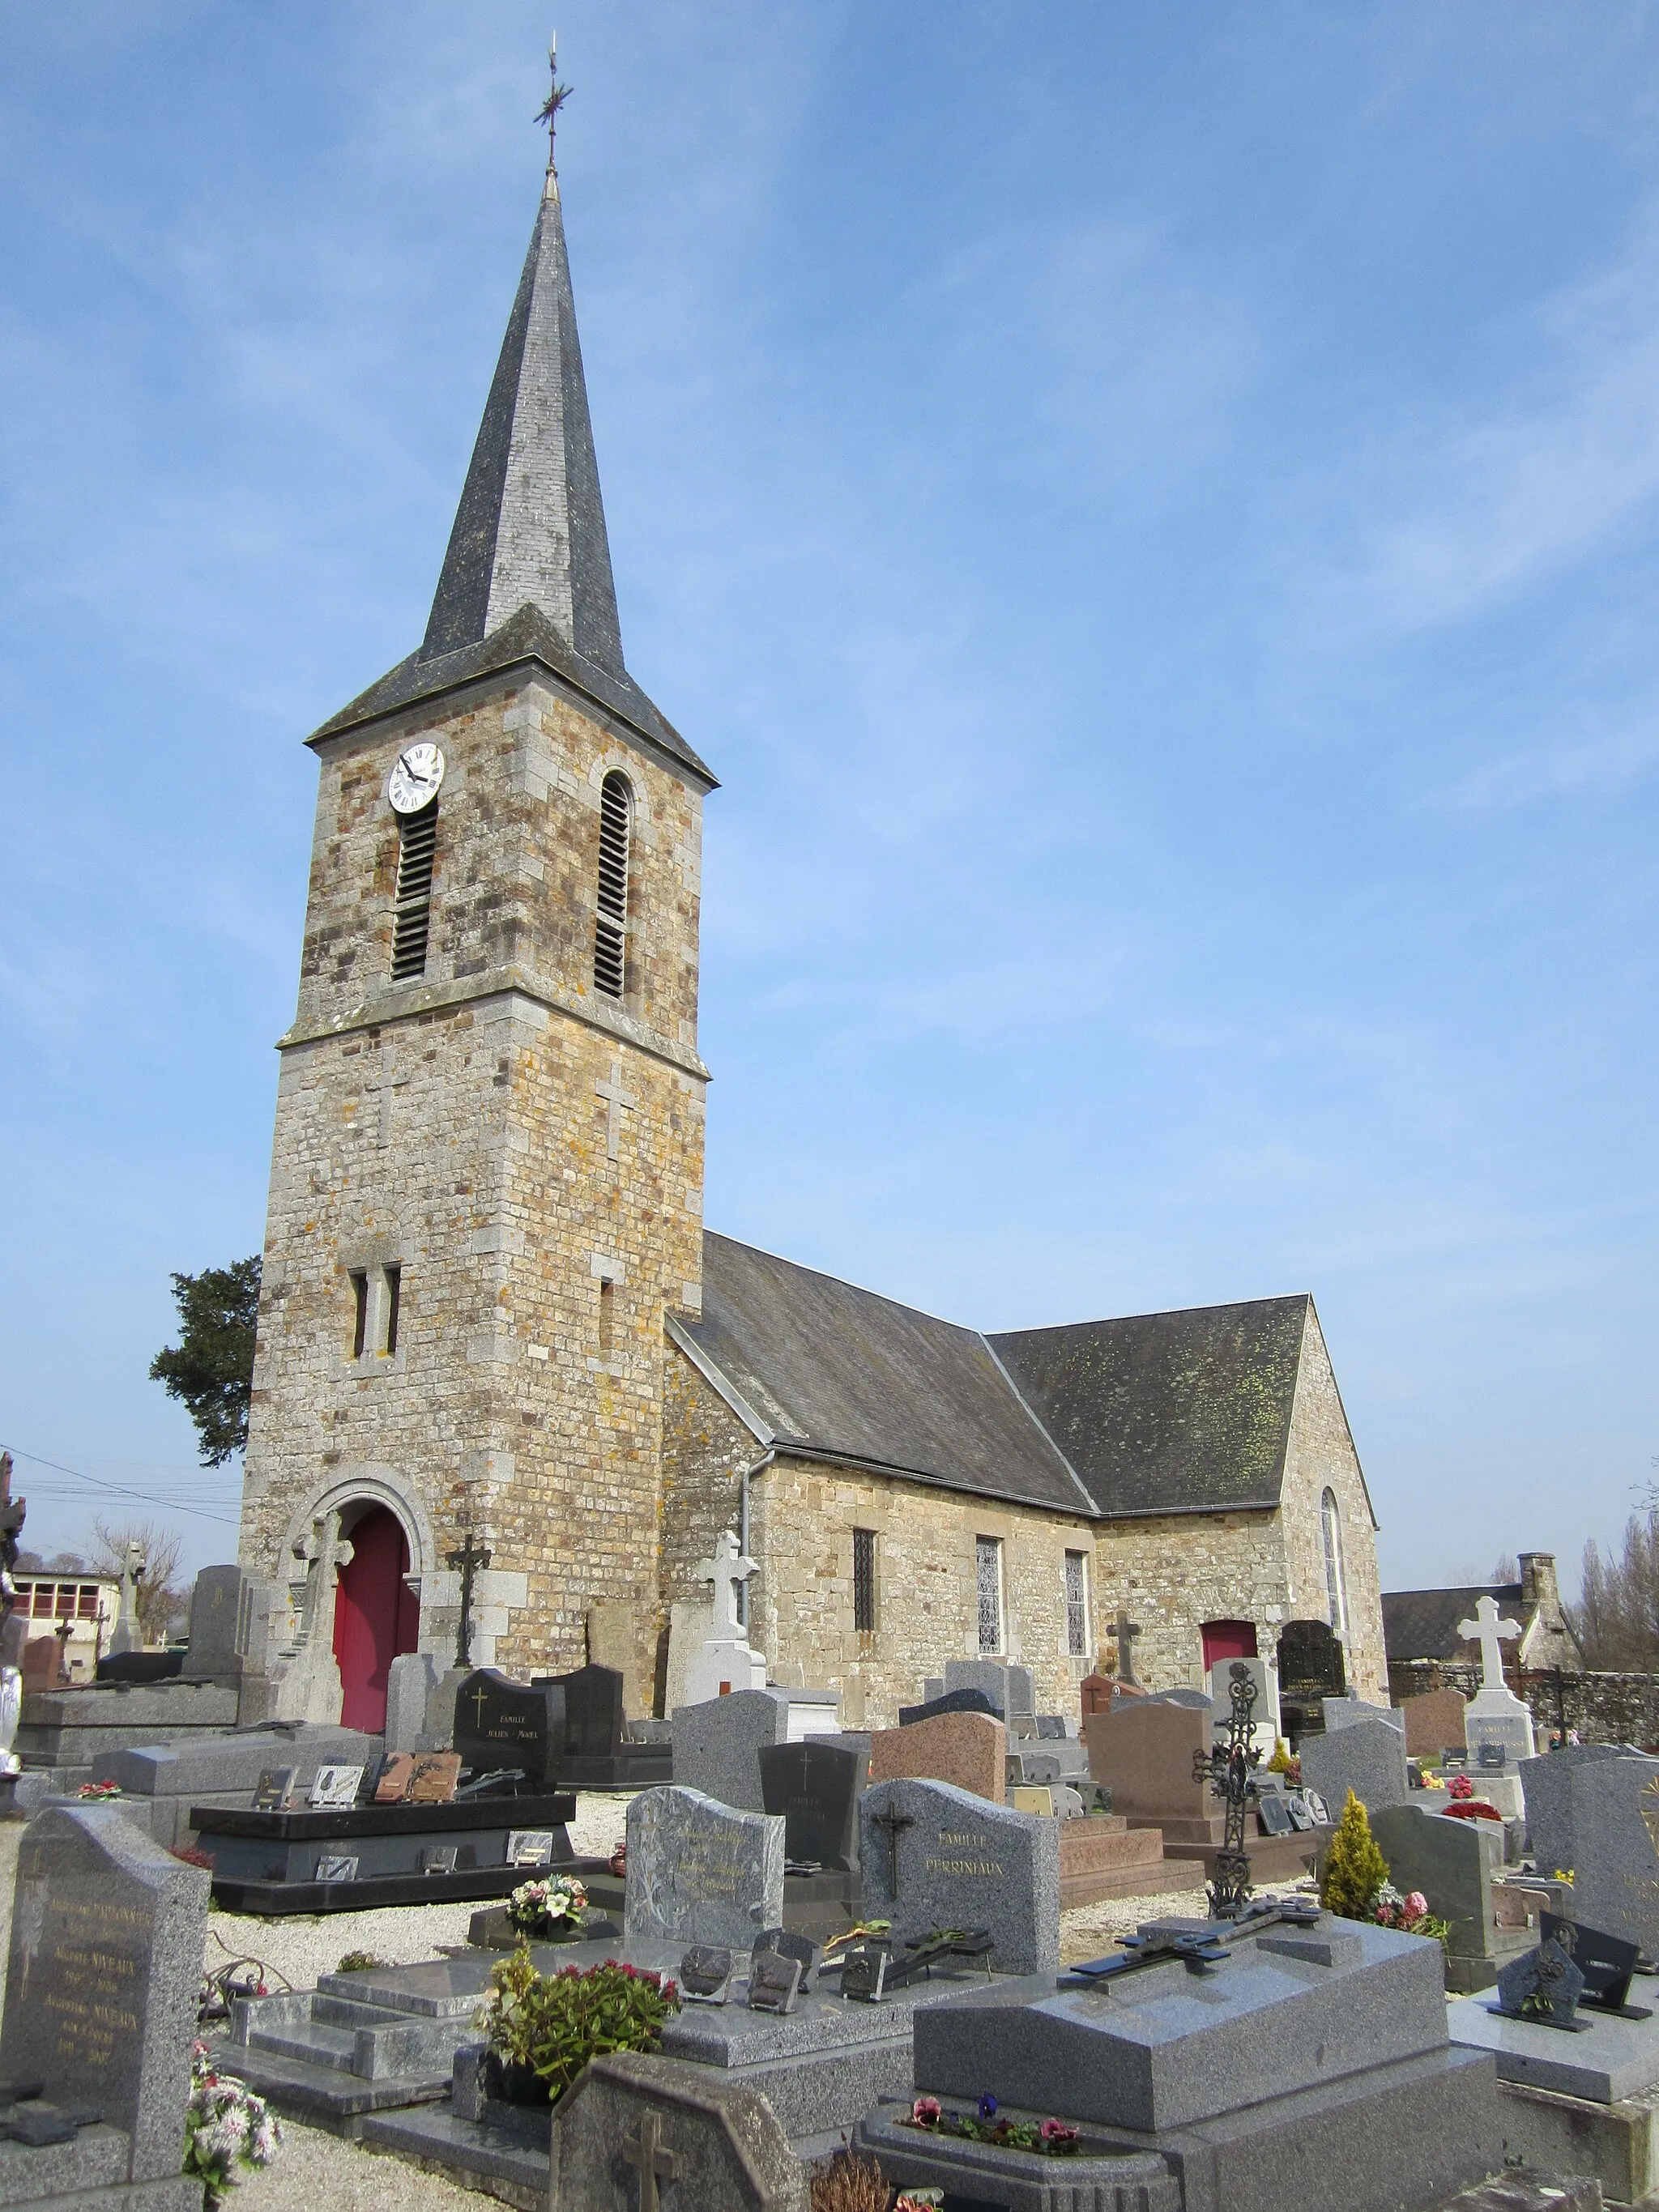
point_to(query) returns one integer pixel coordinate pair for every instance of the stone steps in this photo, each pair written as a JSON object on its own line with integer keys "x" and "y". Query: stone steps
{"x": 331, "y": 2056}
{"x": 1102, "y": 1857}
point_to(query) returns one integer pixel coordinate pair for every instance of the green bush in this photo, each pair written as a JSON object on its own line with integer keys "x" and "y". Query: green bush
{"x": 553, "y": 2024}
{"x": 1355, "y": 1869}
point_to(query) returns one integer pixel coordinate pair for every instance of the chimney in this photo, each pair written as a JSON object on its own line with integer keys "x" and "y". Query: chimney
{"x": 1538, "y": 1584}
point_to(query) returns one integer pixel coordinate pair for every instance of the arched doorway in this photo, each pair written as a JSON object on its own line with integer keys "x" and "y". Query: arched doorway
{"x": 376, "y": 1616}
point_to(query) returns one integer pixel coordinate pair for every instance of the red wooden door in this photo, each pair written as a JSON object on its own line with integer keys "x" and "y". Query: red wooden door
{"x": 376, "y": 1616}
{"x": 1227, "y": 1639}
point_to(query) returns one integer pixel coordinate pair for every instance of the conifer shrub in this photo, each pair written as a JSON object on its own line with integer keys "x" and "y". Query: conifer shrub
{"x": 1355, "y": 1869}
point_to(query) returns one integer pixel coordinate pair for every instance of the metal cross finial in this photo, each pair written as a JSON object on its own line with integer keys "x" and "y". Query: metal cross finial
{"x": 467, "y": 1560}
{"x": 557, "y": 97}
{"x": 645, "y": 2151}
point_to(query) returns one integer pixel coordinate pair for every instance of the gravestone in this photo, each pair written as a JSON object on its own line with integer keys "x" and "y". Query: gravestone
{"x": 1347, "y": 1712}
{"x": 1194, "y": 1700}
{"x": 725, "y": 1662}
{"x": 815, "y": 1786}
{"x": 502, "y": 1723}
{"x": 107, "y": 1937}
{"x": 965, "y": 1750}
{"x": 1009, "y": 1687}
{"x": 933, "y": 1857}
{"x": 594, "y": 1721}
{"x": 410, "y": 1680}
{"x": 1434, "y": 1724}
{"x": 1450, "y": 1863}
{"x": 700, "y": 1873}
{"x": 716, "y": 1744}
{"x": 950, "y": 1701}
{"x": 1144, "y": 1753}
{"x": 1368, "y": 1757}
{"x": 216, "y": 1606}
{"x": 640, "y": 2133}
{"x": 1095, "y": 1692}
{"x": 1546, "y": 1786}
{"x": 1310, "y": 1669}
{"x": 1615, "y": 1813}
{"x": 1495, "y": 1715}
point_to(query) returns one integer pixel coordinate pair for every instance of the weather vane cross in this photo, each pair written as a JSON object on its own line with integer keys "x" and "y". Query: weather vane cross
{"x": 557, "y": 97}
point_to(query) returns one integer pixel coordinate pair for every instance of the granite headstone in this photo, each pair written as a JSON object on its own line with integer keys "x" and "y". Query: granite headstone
{"x": 215, "y": 1605}
{"x": 1434, "y": 1723}
{"x": 1614, "y": 1815}
{"x": 1450, "y": 1863}
{"x": 815, "y": 1785}
{"x": 967, "y": 1750}
{"x": 106, "y": 1960}
{"x": 717, "y": 1743}
{"x": 500, "y": 1723}
{"x": 1546, "y": 1786}
{"x": 642, "y": 2131}
{"x": 933, "y": 1857}
{"x": 699, "y": 1871}
{"x": 952, "y": 1701}
{"x": 1367, "y": 1756}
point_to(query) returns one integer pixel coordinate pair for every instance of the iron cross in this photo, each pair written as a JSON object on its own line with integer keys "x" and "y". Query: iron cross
{"x": 548, "y": 114}
{"x": 645, "y": 2151}
{"x": 893, "y": 1823}
{"x": 468, "y": 1559}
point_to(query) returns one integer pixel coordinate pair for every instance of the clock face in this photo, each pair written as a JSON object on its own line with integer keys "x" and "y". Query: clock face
{"x": 416, "y": 776}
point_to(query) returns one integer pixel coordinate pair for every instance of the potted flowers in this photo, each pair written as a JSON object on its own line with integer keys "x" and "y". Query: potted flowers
{"x": 542, "y": 2029}
{"x": 227, "y": 2130}
{"x": 548, "y": 1910}
{"x": 988, "y": 2124}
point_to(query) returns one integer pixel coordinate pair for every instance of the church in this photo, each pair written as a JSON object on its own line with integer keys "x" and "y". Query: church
{"x": 496, "y": 1344}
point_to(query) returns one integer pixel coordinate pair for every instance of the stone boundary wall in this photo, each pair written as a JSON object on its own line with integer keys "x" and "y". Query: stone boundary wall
{"x": 1604, "y": 1708}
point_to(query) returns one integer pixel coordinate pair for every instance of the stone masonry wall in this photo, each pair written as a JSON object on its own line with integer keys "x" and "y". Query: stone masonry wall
{"x": 1173, "y": 1572}
{"x": 456, "y": 1125}
{"x": 1321, "y": 1455}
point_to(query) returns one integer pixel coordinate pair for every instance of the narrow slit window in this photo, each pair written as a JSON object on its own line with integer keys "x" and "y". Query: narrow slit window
{"x": 417, "y": 846}
{"x": 607, "y": 1317}
{"x": 394, "y": 1295}
{"x": 611, "y": 922}
{"x": 989, "y": 1561}
{"x": 864, "y": 1581}
{"x": 360, "y": 1314}
{"x": 1077, "y": 1602}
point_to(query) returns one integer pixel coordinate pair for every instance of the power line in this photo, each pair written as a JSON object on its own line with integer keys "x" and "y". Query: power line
{"x": 119, "y": 1490}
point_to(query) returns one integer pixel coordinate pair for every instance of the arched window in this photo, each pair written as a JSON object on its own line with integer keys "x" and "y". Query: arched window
{"x": 610, "y": 925}
{"x": 411, "y": 922}
{"x": 1336, "y": 1590}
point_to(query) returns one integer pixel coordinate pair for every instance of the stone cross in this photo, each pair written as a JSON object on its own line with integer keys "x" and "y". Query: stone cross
{"x": 126, "y": 1637}
{"x": 466, "y": 1562}
{"x": 1128, "y": 1630}
{"x": 325, "y": 1552}
{"x": 619, "y": 1101}
{"x": 1494, "y": 1634}
{"x": 726, "y": 1569}
{"x": 644, "y": 2151}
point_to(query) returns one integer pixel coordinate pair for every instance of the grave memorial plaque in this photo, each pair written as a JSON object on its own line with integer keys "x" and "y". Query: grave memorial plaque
{"x": 1275, "y": 1814}
{"x": 336, "y": 1869}
{"x": 864, "y": 1973}
{"x": 434, "y": 1778}
{"x": 531, "y": 1847}
{"x": 789, "y": 1945}
{"x": 393, "y": 1787}
{"x": 273, "y": 1788}
{"x": 773, "y": 1982}
{"x": 439, "y": 1858}
{"x": 334, "y": 1786}
{"x": 502, "y": 1723}
{"x": 815, "y": 1785}
{"x": 705, "y": 1975}
{"x": 1605, "y": 1961}
{"x": 105, "y": 1958}
{"x": 1542, "y": 1986}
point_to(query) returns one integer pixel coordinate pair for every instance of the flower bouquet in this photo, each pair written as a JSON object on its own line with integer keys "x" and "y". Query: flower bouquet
{"x": 228, "y": 2131}
{"x": 95, "y": 1792}
{"x": 986, "y": 2124}
{"x": 1410, "y": 1914}
{"x": 553, "y": 1907}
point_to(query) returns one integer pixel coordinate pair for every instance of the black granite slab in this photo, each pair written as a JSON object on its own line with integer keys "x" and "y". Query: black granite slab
{"x": 300, "y": 1825}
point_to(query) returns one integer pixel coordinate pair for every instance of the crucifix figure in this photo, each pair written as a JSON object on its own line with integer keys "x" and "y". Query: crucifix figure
{"x": 1127, "y": 1631}
{"x": 1493, "y": 1634}
{"x": 892, "y": 1825}
{"x": 467, "y": 1561}
{"x": 619, "y": 1102}
{"x": 655, "y": 2164}
{"x": 728, "y": 1567}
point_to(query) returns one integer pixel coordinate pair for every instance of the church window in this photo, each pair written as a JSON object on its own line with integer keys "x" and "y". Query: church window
{"x": 360, "y": 1314}
{"x": 417, "y": 845}
{"x": 987, "y": 1552}
{"x": 394, "y": 1299}
{"x": 864, "y": 1581}
{"x": 607, "y": 1318}
{"x": 1336, "y": 1591}
{"x": 1077, "y": 1602}
{"x": 610, "y": 924}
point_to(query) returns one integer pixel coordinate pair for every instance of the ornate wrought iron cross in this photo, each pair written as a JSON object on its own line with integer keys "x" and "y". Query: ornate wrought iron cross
{"x": 467, "y": 1560}
{"x": 1227, "y": 1768}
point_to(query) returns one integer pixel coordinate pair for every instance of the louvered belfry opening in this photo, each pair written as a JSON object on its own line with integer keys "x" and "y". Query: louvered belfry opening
{"x": 610, "y": 925}
{"x": 417, "y": 845}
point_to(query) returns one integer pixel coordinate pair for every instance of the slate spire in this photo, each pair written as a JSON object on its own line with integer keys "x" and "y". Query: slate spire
{"x": 530, "y": 528}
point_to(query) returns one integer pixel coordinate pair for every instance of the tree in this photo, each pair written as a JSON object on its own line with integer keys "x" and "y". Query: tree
{"x": 211, "y": 1368}
{"x": 1355, "y": 1869}
{"x": 1616, "y": 1617}
{"x": 161, "y": 1595}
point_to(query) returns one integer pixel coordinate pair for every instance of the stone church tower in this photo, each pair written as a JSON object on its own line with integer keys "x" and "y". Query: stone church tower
{"x": 486, "y": 1183}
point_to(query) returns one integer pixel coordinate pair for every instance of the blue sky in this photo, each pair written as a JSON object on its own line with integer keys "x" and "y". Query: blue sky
{"x": 1153, "y": 515}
